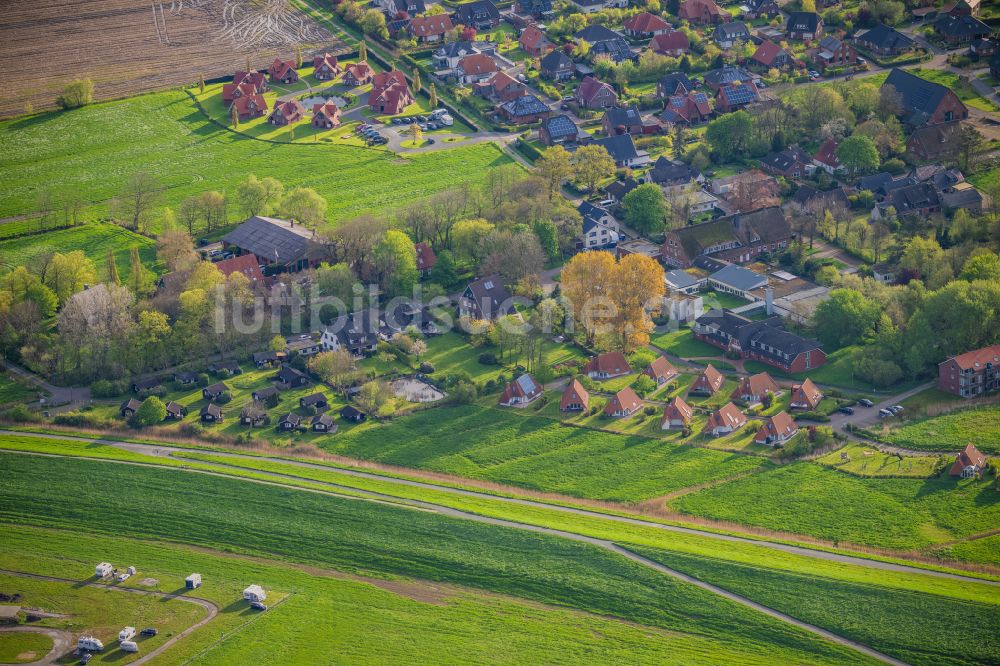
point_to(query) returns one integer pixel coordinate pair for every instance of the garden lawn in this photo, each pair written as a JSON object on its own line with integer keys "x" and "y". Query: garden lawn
{"x": 682, "y": 343}
{"x": 964, "y": 90}
{"x": 806, "y": 498}
{"x": 838, "y": 371}
{"x": 869, "y": 462}
{"x": 912, "y": 626}
{"x": 370, "y": 538}
{"x": 92, "y": 151}
{"x": 21, "y": 648}
{"x": 519, "y": 448}
{"x": 94, "y": 239}
{"x": 950, "y": 432}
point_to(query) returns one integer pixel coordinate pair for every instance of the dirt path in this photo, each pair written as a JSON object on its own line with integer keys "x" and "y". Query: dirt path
{"x": 62, "y": 642}
{"x": 211, "y": 611}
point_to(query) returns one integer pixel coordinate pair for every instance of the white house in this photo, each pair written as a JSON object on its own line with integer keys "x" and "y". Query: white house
{"x": 600, "y": 228}
{"x": 254, "y": 593}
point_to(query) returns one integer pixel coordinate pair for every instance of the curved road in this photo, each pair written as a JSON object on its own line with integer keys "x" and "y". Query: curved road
{"x": 211, "y": 608}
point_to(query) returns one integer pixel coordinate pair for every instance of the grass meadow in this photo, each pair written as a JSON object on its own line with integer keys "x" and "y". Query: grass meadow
{"x": 949, "y": 432}
{"x": 94, "y": 239}
{"x": 367, "y": 538}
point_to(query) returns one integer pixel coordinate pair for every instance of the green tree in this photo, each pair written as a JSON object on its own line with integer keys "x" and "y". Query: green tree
{"x": 729, "y": 135}
{"x": 67, "y": 273}
{"x": 373, "y": 23}
{"x": 363, "y": 51}
{"x": 395, "y": 259}
{"x": 554, "y": 166}
{"x": 76, "y": 94}
{"x": 858, "y": 154}
{"x": 25, "y": 286}
{"x": 336, "y": 281}
{"x": 985, "y": 266}
{"x": 970, "y": 145}
{"x": 846, "y": 318}
{"x": 416, "y": 80}
{"x": 139, "y": 280}
{"x": 201, "y": 85}
{"x": 591, "y": 164}
{"x": 112, "y": 267}
{"x": 432, "y": 93}
{"x": 444, "y": 272}
{"x": 150, "y": 412}
{"x": 547, "y": 238}
{"x": 258, "y": 197}
{"x": 645, "y": 208}
{"x": 469, "y": 237}
{"x": 304, "y": 205}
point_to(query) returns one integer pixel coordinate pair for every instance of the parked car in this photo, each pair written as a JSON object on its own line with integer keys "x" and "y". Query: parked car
{"x": 85, "y": 659}
{"x": 813, "y": 74}
{"x": 884, "y": 413}
{"x": 896, "y": 409}
{"x": 865, "y": 402}
{"x": 150, "y": 631}
{"x": 846, "y": 410}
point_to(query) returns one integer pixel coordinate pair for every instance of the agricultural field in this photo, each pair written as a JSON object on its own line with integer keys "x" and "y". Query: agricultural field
{"x": 86, "y": 152}
{"x": 898, "y": 513}
{"x": 947, "y": 432}
{"x": 126, "y": 48}
{"x": 538, "y": 453}
{"x": 23, "y": 647}
{"x": 373, "y": 539}
{"x": 983, "y": 550}
{"x": 94, "y": 239}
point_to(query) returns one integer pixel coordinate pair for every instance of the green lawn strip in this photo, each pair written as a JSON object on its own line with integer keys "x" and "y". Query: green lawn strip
{"x": 365, "y": 537}
{"x": 948, "y": 432}
{"x": 913, "y": 626}
{"x": 807, "y": 498}
{"x": 21, "y": 648}
{"x": 93, "y": 239}
{"x": 100, "y": 612}
{"x": 333, "y": 618}
{"x": 868, "y": 462}
{"x": 986, "y": 550}
{"x": 169, "y": 137}
{"x": 682, "y": 343}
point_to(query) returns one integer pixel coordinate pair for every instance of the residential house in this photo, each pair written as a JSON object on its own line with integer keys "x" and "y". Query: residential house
{"x": 804, "y": 26}
{"x": 323, "y": 423}
{"x": 727, "y": 35}
{"x": 687, "y": 109}
{"x": 480, "y": 14}
{"x": 619, "y": 120}
{"x": 144, "y": 385}
{"x": 673, "y": 176}
{"x": 924, "y": 102}
{"x": 357, "y": 332}
{"x": 682, "y": 282}
{"x": 971, "y": 374}
{"x": 272, "y": 241}
{"x": 812, "y": 199}
{"x": 186, "y": 377}
{"x": 228, "y": 368}
{"x": 624, "y": 403}
{"x": 884, "y": 272}
{"x": 534, "y": 42}
{"x": 673, "y": 43}
{"x": 269, "y": 395}
{"x": 728, "y": 75}
{"x": 702, "y": 12}
{"x": 937, "y": 142}
{"x": 215, "y": 391}
{"x": 249, "y": 107}
{"x": 835, "y": 52}
{"x": 231, "y": 91}
{"x": 326, "y": 115}
{"x": 748, "y": 190}
{"x": 969, "y": 463}
{"x": 960, "y": 29}
{"x": 524, "y": 110}
{"x": 644, "y": 25}
{"x": 777, "y": 430}
{"x": 885, "y": 41}
{"x": 982, "y": 48}
{"x": 304, "y": 345}
{"x": 287, "y": 113}
{"x": 594, "y": 94}
{"x": 521, "y": 391}
{"x": 600, "y": 229}
{"x": 486, "y": 298}
{"x": 289, "y": 421}
{"x": 556, "y": 66}
{"x": 791, "y": 163}
{"x": 751, "y": 390}
{"x": 674, "y": 83}
{"x": 401, "y": 8}
{"x": 605, "y": 41}
{"x": 560, "y": 130}
{"x": 754, "y": 9}
{"x": 357, "y": 74}
{"x": 175, "y": 411}
{"x": 617, "y": 190}
{"x": 765, "y": 340}
{"x": 390, "y": 93}
{"x": 708, "y": 382}
{"x": 315, "y": 401}
{"x": 536, "y": 8}
{"x": 129, "y": 408}
{"x": 736, "y": 280}
{"x": 352, "y": 414}
{"x": 622, "y": 150}
{"x": 256, "y": 79}
{"x": 769, "y": 55}
{"x": 661, "y": 371}
{"x": 430, "y": 29}
{"x": 920, "y": 200}
{"x": 736, "y": 96}
{"x": 725, "y": 420}
{"x": 676, "y": 415}
{"x": 425, "y": 258}
{"x": 283, "y": 71}
{"x": 740, "y": 238}
{"x": 964, "y": 196}
{"x": 211, "y": 413}
{"x": 805, "y": 396}
{"x": 575, "y": 398}
{"x": 446, "y": 57}
{"x": 501, "y": 87}
{"x": 700, "y": 202}
{"x": 606, "y": 366}
{"x": 326, "y": 67}
{"x": 475, "y": 68}
{"x": 291, "y": 377}
{"x": 826, "y": 157}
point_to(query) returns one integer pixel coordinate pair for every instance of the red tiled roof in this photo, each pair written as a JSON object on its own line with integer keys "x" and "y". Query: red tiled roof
{"x": 256, "y": 78}
{"x": 242, "y": 104}
{"x": 978, "y": 358}
{"x": 727, "y": 416}
{"x": 767, "y": 52}
{"x": 390, "y": 89}
{"x": 575, "y": 394}
{"x": 589, "y": 88}
{"x": 709, "y": 378}
{"x": 660, "y": 368}
{"x": 229, "y": 90}
{"x": 625, "y": 400}
{"x": 970, "y": 456}
{"x": 755, "y": 385}
{"x": 245, "y": 264}
{"x": 670, "y": 41}
{"x": 611, "y": 363}
{"x": 532, "y": 38}
{"x": 331, "y": 61}
{"x": 780, "y": 426}
{"x": 430, "y": 26}
{"x": 677, "y": 410}
{"x": 359, "y": 70}
{"x": 425, "y": 257}
{"x": 692, "y": 9}
{"x": 477, "y": 63}
{"x": 292, "y": 110}
{"x": 280, "y": 67}
{"x": 806, "y": 393}
{"x": 524, "y": 387}
{"x": 644, "y": 22}
{"x": 827, "y": 154}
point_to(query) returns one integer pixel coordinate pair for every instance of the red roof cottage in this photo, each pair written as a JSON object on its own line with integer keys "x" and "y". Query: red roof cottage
{"x": 501, "y": 87}
{"x": 709, "y": 381}
{"x": 606, "y": 366}
{"x": 325, "y": 115}
{"x": 286, "y": 113}
{"x": 673, "y": 43}
{"x": 645, "y": 24}
{"x": 575, "y": 398}
{"x": 325, "y": 67}
{"x": 968, "y": 463}
{"x": 725, "y": 420}
{"x": 702, "y": 12}
{"x": 245, "y": 265}
{"x": 250, "y": 106}
{"x": 752, "y": 389}
{"x": 676, "y": 415}
{"x": 389, "y": 94}
{"x": 358, "y": 74}
{"x": 777, "y": 430}
{"x": 476, "y": 67}
{"x": 661, "y": 371}
{"x": 257, "y": 79}
{"x": 231, "y": 91}
{"x": 594, "y": 94}
{"x": 769, "y": 55}
{"x": 972, "y": 373}
{"x": 283, "y": 71}
{"x": 826, "y": 157}
{"x": 430, "y": 29}
{"x": 521, "y": 391}
{"x": 736, "y": 96}
{"x": 624, "y": 403}
{"x": 425, "y": 258}
{"x": 805, "y": 396}
{"x": 534, "y": 42}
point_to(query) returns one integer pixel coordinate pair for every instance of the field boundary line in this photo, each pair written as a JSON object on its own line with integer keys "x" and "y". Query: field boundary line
{"x": 227, "y": 635}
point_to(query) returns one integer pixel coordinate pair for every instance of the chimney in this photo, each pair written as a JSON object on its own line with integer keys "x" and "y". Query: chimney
{"x": 769, "y": 300}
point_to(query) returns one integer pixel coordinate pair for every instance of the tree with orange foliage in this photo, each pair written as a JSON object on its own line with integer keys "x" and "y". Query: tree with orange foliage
{"x": 637, "y": 288}
{"x": 586, "y": 286}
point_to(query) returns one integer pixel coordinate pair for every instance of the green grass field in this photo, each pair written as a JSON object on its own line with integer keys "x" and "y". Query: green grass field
{"x": 869, "y": 462}
{"x": 94, "y": 239}
{"x": 22, "y": 648}
{"x": 12, "y": 390}
{"x": 538, "y": 453}
{"x": 915, "y": 627}
{"x": 682, "y": 343}
{"x": 985, "y": 550}
{"x": 949, "y": 432}
{"x": 806, "y": 498}
{"x": 89, "y": 152}
{"x": 368, "y": 538}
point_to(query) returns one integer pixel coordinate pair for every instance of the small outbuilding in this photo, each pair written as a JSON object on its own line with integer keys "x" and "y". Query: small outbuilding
{"x": 193, "y": 581}
{"x": 254, "y": 593}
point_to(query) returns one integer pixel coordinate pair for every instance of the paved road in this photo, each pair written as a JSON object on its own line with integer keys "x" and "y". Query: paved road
{"x": 211, "y": 611}
{"x": 69, "y": 396}
{"x": 62, "y": 642}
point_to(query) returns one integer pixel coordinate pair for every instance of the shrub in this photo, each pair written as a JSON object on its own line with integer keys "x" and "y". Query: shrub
{"x": 76, "y": 94}
{"x": 426, "y": 368}
{"x": 23, "y": 414}
{"x": 203, "y": 379}
{"x": 150, "y": 412}
{"x": 488, "y": 358}
{"x": 78, "y": 419}
{"x": 643, "y": 385}
{"x": 224, "y": 398}
{"x": 464, "y": 393}
{"x": 649, "y": 410}
{"x": 107, "y": 389}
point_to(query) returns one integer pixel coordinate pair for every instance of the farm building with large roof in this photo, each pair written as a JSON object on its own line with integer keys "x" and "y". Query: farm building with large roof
{"x": 272, "y": 241}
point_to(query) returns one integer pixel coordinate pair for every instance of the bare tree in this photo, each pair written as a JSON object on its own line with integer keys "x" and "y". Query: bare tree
{"x": 138, "y": 197}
